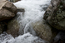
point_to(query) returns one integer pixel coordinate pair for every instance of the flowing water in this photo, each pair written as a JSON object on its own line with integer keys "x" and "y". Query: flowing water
{"x": 34, "y": 11}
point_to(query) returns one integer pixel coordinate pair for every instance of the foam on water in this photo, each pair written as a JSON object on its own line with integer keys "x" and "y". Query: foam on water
{"x": 26, "y": 38}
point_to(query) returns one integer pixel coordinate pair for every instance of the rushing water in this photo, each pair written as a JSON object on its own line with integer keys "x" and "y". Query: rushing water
{"x": 34, "y": 10}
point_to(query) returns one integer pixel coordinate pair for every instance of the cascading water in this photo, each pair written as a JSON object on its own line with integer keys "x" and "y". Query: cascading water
{"x": 34, "y": 10}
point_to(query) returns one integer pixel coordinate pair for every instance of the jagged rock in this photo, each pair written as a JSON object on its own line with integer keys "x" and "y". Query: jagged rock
{"x": 7, "y": 10}
{"x": 55, "y": 14}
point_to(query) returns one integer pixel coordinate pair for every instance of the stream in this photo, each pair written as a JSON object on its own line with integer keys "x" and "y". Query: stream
{"x": 34, "y": 11}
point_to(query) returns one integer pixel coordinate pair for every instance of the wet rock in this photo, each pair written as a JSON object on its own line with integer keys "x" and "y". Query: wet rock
{"x": 13, "y": 27}
{"x": 7, "y": 10}
{"x": 13, "y": 0}
{"x": 55, "y": 14}
{"x": 3, "y": 26}
{"x": 20, "y": 10}
{"x": 42, "y": 30}
{"x": 60, "y": 38}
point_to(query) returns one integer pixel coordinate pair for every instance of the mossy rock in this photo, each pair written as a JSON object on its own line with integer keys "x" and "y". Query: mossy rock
{"x": 55, "y": 14}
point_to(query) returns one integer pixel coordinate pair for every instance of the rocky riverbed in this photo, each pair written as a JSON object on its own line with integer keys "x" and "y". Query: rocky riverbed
{"x": 32, "y": 21}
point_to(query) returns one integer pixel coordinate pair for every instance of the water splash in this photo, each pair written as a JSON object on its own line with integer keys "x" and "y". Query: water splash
{"x": 29, "y": 28}
{"x": 26, "y": 38}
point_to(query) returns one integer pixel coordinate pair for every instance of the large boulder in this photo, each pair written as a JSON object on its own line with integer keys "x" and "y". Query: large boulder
{"x": 55, "y": 14}
{"x": 7, "y": 10}
{"x": 13, "y": 27}
{"x": 42, "y": 29}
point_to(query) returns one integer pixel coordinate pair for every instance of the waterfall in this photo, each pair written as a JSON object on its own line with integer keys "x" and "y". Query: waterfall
{"x": 33, "y": 12}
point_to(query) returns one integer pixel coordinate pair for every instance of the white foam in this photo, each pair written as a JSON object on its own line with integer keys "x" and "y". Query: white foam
{"x": 26, "y": 38}
{"x": 33, "y": 11}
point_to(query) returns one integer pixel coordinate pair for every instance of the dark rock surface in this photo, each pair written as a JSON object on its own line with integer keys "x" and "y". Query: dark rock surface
{"x": 55, "y": 14}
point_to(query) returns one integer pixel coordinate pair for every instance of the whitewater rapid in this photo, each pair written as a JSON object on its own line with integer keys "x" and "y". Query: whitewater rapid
{"x": 34, "y": 11}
